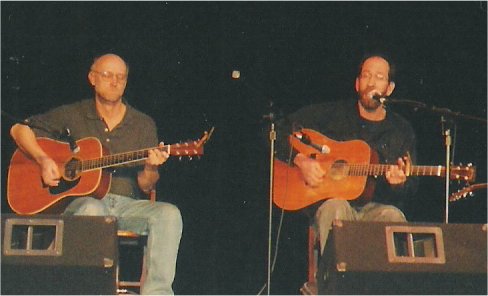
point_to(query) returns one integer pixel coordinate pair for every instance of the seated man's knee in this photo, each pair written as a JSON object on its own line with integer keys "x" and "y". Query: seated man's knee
{"x": 87, "y": 206}
{"x": 392, "y": 214}
{"x": 337, "y": 208}
{"x": 169, "y": 213}
{"x": 332, "y": 209}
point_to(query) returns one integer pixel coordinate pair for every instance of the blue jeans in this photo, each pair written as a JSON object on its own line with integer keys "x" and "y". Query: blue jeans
{"x": 333, "y": 209}
{"x": 162, "y": 223}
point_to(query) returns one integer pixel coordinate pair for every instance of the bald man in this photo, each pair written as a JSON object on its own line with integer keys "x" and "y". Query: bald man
{"x": 120, "y": 128}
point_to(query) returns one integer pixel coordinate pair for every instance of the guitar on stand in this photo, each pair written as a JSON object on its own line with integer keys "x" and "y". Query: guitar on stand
{"x": 84, "y": 173}
{"x": 348, "y": 165}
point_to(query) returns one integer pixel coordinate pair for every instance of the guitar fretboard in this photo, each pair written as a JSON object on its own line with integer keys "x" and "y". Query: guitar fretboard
{"x": 381, "y": 169}
{"x": 117, "y": 159}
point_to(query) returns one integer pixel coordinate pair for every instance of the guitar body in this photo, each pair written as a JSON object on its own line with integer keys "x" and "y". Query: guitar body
{"x": 290, "y": 192}
{"x": 83, "y": 173}
{"x": 26, "y": 192}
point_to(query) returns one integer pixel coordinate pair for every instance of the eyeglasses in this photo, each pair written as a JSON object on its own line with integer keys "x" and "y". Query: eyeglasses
{"x": 109, "y": 76}
{"x": 368, "y": 75}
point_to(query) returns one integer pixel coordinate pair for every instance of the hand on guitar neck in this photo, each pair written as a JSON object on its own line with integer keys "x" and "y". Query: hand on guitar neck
{"x": 396, "y": 175}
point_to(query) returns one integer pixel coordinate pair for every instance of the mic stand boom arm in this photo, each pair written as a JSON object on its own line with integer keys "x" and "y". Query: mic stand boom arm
{"x": 443, "y": 111}
{"x": 446, "y": 133}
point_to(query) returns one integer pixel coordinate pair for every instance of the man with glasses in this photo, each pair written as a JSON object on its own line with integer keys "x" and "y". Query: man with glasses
{"x": 120, "y": 128}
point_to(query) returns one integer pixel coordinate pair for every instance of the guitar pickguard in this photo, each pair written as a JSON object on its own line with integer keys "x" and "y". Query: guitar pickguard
{"x": 63, "y": 186}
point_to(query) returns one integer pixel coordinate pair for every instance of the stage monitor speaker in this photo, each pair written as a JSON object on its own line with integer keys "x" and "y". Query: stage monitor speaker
{"x": 52, "y": 254}
{"x": 404, "y": 258}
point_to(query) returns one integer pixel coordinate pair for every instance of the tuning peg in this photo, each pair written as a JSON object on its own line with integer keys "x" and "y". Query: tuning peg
{"x": 179, "y": 158}
{"x": 190, "y": 157}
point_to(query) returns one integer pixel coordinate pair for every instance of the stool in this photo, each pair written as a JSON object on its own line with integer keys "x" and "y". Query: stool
{"x": 132, "y": 239}
{"x": 136, "y": 242}
{"x": 310, "y": 287}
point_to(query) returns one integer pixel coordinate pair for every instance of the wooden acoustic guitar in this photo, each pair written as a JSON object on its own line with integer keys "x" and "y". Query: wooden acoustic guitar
{"x": 83, "y": 173}
{"x": 347, "y": 164}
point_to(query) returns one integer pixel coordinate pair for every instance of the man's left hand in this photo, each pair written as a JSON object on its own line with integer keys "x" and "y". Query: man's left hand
{"x": 155, "y": 158}
{"x": 396, "y": 173}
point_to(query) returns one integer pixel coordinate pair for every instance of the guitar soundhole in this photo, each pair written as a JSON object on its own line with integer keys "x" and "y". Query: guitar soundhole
{"x": 339, "y": 170}
{"x": 72, "y": 169}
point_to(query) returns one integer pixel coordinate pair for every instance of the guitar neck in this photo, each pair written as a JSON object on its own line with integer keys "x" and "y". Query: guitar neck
{"x": 118, "y": 159}
{"x": 381, "y": 169}
{"x": 191, "y": 148}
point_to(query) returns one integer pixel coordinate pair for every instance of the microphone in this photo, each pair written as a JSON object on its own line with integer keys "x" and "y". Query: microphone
{"x": 305, "y": 139}
{"x": 66, "y": 134}
{"x": 380, "y": 98}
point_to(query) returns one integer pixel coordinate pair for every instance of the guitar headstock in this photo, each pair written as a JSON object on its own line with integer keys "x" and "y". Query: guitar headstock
{"x": 462, "y": 193}
{"x": 467, "y": 191}
{"x": 463, "y": 173}
{"x": 190, "y": 148}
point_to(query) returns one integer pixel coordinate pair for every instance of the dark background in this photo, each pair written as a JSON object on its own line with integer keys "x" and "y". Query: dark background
{"x": 290, "y": 54}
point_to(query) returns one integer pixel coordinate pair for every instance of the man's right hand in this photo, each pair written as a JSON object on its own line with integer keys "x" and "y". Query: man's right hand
{"x": 312, "y": 172}
{"x": 27, "y": 142}
{"x": 50, "y": 171}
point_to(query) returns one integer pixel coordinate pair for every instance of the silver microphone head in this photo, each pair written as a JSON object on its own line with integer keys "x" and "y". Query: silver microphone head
{"x": 380, "y": 98}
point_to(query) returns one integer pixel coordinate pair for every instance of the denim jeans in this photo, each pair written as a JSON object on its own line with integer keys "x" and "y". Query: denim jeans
{"x": 162, "y": 223}
{"x": 333, "y": 209}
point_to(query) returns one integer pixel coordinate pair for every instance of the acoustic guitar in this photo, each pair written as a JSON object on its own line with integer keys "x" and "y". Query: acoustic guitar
{"x": 83, "y": 173}
{"x": 347, "y": 164}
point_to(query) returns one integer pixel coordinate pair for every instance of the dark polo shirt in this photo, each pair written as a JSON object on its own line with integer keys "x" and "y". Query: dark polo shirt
{"x": 136, "y": 131}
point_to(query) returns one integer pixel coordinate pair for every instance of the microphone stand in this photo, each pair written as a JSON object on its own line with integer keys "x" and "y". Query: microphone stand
{"x": 272, "y": 138}
{"x": 445, "y": 132}
{"x": 236, "y": 75}
{"x": 447, "y": 142}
